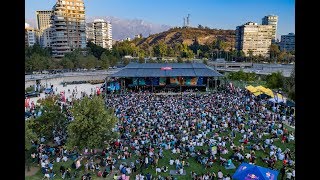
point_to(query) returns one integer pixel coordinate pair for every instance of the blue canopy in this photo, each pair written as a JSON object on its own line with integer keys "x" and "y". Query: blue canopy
{"x": 252, "y": 172}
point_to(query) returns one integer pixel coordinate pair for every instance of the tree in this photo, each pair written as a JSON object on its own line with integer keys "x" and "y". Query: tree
{"x": 52, "y": 119}
{"x": 66, "y": 63}
{"x": 30, "y": 136}
{"x": 275, "y": 80}
{"x": 283, "y": 57}
{"x": 105, "y": 64}
{"x": 160, "y": 49}
{"x": 221, "y": 45}
{"x": 179, "y": 59}
{"x": 91, "y": 62}
{"x": 274, "y": 51}
{"x": 141, "y": 60}
{"x": 250, "y": 53}
{"x": 290, "y": 85}
{"x": 205, "y": 62}
{"x": 126, "y": 61}
{"x": 95, "y": 49}
{"x": 92, "y": 125}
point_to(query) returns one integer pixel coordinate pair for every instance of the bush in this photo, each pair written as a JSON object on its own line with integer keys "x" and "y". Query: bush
{"x": 275, "y": 80}
{"x": 29, "y": 89}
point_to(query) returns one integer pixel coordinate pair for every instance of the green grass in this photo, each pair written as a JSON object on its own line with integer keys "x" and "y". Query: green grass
{"x": 194, "y": 165}
{"x": 56, "y": 169}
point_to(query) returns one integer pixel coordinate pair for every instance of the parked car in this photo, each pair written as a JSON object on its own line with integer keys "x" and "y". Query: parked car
{"x": 48, "y": 91}
{"x": 32, "y": 94}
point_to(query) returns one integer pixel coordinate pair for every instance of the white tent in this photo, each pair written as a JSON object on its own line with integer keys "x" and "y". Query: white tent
{"x": 278, "y": 98}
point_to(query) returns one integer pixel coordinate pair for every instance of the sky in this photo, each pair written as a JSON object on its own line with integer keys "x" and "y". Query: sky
{"x": 220, "y": 14}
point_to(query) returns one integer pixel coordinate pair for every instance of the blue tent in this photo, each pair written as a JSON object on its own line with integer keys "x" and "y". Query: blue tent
{"x": 252, "y": 172}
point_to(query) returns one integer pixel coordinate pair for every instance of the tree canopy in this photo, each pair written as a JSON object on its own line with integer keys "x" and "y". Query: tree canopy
{"x": 275, "y": 80}
{"x": 52, "y": 119}
{"x": 92, "y": 124}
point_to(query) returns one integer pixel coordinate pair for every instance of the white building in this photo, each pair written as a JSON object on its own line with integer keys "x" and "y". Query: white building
{"x": 271, "y": 20}
{"x": 31, "y": 35}
{"x": 102, "y": 33}
{"x": 43, "y": 25}
{"x": 287, "y": 42}
{"x": 138, "y": 36}
{"x": 255, "y": 38}
{"x": 90, "y": 32}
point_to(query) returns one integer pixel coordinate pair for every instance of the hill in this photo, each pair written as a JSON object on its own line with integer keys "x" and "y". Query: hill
{"x": 187, "y": 36}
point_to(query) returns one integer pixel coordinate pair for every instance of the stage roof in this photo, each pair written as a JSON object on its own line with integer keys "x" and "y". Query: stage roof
{"x": 166, "y": 70}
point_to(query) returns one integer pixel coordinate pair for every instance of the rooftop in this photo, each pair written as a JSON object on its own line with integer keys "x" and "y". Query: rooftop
{"x": 166, "y": 70}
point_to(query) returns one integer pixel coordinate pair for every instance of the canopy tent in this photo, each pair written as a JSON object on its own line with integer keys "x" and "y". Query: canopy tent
{"x": 257, "y": 93}
{"x": 251, "y": 89}
{"x": 252, "y": 172}
{"x": 266, "y": 91}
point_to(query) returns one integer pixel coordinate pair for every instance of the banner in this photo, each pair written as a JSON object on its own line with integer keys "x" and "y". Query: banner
{"x": 142, "y": 82}
{"x": 174, "y": 81}
{"x": 200, "y": 81}
{"x": 162, "y": 81}
{"x": 135, "y": 81}
{"x": 117, "y": 86}
{"x": 193, "y": 81}
{"x": 166, "y": 68}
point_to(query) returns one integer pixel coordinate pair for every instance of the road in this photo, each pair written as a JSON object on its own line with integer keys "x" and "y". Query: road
{"x": 70, "y": 74}
{"x": 265, "y": 69}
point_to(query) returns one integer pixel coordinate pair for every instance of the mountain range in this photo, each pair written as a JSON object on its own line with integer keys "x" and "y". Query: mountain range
{"x": 123, "y": 28}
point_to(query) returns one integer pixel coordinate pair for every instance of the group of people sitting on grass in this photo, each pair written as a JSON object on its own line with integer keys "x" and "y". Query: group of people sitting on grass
{"x": 234, "y": 121}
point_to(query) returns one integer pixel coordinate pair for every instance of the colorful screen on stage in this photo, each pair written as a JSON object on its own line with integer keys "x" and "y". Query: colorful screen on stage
{"x": 162, "y": 81}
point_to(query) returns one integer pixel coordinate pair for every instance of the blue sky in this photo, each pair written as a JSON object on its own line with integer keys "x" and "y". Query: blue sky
{"x": 221, "y": 14}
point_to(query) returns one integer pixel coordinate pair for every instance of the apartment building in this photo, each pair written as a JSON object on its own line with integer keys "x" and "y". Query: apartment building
{"x": 255, "y": 38}
{"x": 271, "y": 20}
{"x": 68, "y": 27}
{"x": 287, "y": 42}
{"x": 102, "y": 33}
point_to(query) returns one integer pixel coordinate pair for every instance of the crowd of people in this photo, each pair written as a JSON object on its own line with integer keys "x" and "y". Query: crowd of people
{"x": 232, "y": 120}
{"x": 150, "y": 124}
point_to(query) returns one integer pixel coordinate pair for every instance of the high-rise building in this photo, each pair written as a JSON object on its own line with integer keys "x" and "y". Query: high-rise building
{"x": 31, "y": 35}
{"x": 255, "y": 38}
{"x": 90, "y": 32}
{"x": 271, "y": 20}
{"x": 287, "y": 42}
{"x": 102, "y": 33}
{"x": 43, "y": 19}
{"x": 68, "y": 27}
{"x": 43, "y": 25}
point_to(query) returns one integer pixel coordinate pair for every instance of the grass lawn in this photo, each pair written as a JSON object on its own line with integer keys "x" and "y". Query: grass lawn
{"x": 194, "y": 165}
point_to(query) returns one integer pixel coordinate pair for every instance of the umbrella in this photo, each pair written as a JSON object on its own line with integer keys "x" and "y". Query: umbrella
{"x": 252, "y": 172}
